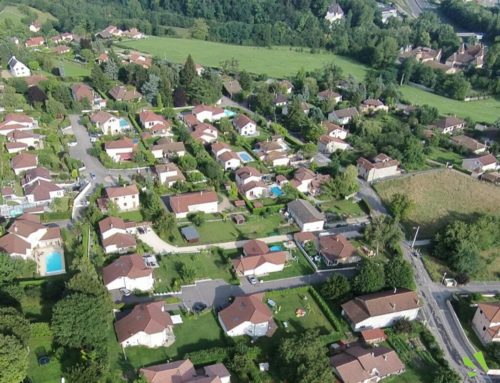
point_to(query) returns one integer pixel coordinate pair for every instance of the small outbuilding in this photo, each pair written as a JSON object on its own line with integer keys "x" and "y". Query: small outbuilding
{"x": 190, "y": 234}
{"x": 239, "y": 219}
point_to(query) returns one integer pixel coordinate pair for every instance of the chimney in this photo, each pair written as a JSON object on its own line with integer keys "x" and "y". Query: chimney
{"x": 393, "y": 305}
{"x": 395, "y": 290}
{"x": 385, "y": 357}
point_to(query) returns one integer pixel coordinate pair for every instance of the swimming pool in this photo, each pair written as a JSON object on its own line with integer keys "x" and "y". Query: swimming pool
{"x": 276, "y": 190}
{"x": 229, "y": 113}
{"x": 245, "y": 157}
{"x": 54, "y": 262}
{"x": 276, "y": 248}
{"x": 124, "y": 123}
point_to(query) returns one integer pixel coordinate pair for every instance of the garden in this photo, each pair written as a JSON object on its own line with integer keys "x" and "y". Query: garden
{"x": 295, "y": 267}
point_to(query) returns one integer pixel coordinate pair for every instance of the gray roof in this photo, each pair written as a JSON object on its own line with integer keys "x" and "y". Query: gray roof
{"x": 190, "y": 233}
{"x": 305, "y": 211}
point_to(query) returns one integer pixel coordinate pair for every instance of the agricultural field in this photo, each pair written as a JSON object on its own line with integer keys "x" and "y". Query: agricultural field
{"x": 15, "y": 14}
{"x": 275, "y": 61}
{"x": 441, "y": 197}
{"x": 484, "y": 110}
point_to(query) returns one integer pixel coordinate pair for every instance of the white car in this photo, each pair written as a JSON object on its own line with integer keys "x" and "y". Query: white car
{"x": 125, "y": 292}
{"x": 72, "y": 143}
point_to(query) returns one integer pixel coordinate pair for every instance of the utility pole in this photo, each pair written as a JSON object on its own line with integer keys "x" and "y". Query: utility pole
{"x": 415, "y": 238}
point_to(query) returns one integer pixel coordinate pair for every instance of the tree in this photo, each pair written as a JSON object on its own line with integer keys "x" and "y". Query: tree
{"x": 309, "y": 150}
{"x": 197, "y": 218}
{"x": 165, "y": 225}
{"x": 187, "y": 162}
{"x": 400, "y": 206}
{"x": 12, "y": 322}
{"x": 336, "y": 288}
{"x": 10, "y": 268}
{"x": 199, "y": 30}
{"x": 150, "y": 88}
{"x": 13, "y": 359}
{"x": 111, "y": 70}
{"x": 348, "y": 181}
{"x": 54, "y": 108}
{"x": 186, "y": 272}
{"x": 304, "y": 360}
{"x": 444, "y": 374}
{"x": 398, "y": 273}
{"x": 98, "y": 79}
{"x": 245, "y": 80}
{"x": 188, "y": 72}
{"x": 383, "y": 233}
{"x": 370, "y": 278}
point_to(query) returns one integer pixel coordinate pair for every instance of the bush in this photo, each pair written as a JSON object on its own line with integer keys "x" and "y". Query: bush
{"x": 211, "y": 355}
{"x": 40, "y": 329}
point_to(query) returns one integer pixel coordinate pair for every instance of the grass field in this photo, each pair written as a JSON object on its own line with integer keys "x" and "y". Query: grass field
{"x": 72, "y": 69}
{"x": 13, "y": 13}
{"x": 294, "y": 268}
{"x": 276, "y": 61}
{"x": 485, "y": 110}
{"x": 344, "y": 208}
{"x": 443, "y": 156}
{"x": 440, "y": 197}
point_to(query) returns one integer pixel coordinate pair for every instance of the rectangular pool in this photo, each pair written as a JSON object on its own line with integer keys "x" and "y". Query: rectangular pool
{"x": 276, "y": 248}
{"x": 124, "y": 123}
{"x": 245, "y": 157}
{"x": 54, "y": 262}
{"x": 276, "y": 191}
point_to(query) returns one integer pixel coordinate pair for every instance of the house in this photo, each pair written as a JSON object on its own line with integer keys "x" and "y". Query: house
{"x": 245, "y": 125}
{"x": 304, "y": 106}
{"x": 168, "y": 174}
{"x": 117, "y": 236}
{"x": 134, "y": 33}
{"x": 439, "y": 66}
{"x": 467, "y": 56}
{"x": 286, "y": 85}
{"x": 329, "y": 95}
{"x": 23, "y": 162}
{"x": 229, "y": 160}
{"x": 220, "y": 147}
{"x": 469, "y": 143}
{"x": 486, "y": 322}
{"x": 492, "y": 177}
{"x": 334, "y": 13}
{"x": 34, "y": 175}
{"x": 334, "y": 130}
{"x": 280, "y": 100}
{"x": 260, "y": 264}
{"x": 199, "y": 69}
{"x": 386, "y": 12}
{"x": 382, "y": 166}
{"x": 329, "y": 145}
{"x": 121, "y": 149}
{"x": 306, "y": 216}
{"x": 247, "y": 315}
{"x": 183, "y": 371}
{"x": 183, "y": 204}
{"x": 371, "y": 105}
{"x": 247, "y": 174}
{"x": 422, "y": 54}
{"x": 108, "y": 123}
{"x": 61, "y": 49}
{"x": 123, "y": 93}
{"x": 155, "y": 123}
{"x": 35, "y": 26}
{"x": 208, "y": 113}
{"x": 42, "y": 192}
{"x": 357, "y": 364}
{"x": 7, "y": 193}
{"x": 480, "y": 164}
{"x": 110, "y": 31}
{"x": 336, "y": 249}
{"x": 17, "y": 68}
{"x": 343, "y": 116}
{"x": 450, "y": 125}
{"x": 128, "y": 272}
{"x": 15, "y": 147}
{"x": 373, "y": 336}
{"x": 28, "y": 238}
{"x": 81, "y": 91}
{"x": 307, "y": 181}
{"x": 232, "y": 88}
{"x": 381, "y": 309}
{"x": 166, "y": 148}
{"x": 35, "y": 42}
{"x": 253, "y": 189}
{"x": 102, "y": 58}
{"x": 255, "y": 247}
{"x": 205, "y": 133}
{"x": 140, "y": 59}
{"x": 148, "y": 325}
{"x": 126, "y": 198}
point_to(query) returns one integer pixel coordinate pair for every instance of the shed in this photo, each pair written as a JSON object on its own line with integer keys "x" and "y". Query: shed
{"x": 239, "y": 219}
{"x": 190, "y": 234}
{"x": 239, "y": 203}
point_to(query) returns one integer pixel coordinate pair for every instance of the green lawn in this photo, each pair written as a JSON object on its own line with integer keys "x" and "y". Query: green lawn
{"x": 485, "y": 110}
{"x": 135, "y": 216}
{"x": 440, "y": 197}
{"x": 294, "y": 268}
{"x": 289, "y": 301}
{"x": 443, "y": 156}
{"x": 196, "y": 333}
{"x": 276, "y": 62}
{"x": 344, "y": 208}
{"x": 411, "y": 375}
{"x": 42, "y": 345}
{"x": 13, "y": 13}
{"x": 205, "y": 265}
{"x": 72, "y": 69}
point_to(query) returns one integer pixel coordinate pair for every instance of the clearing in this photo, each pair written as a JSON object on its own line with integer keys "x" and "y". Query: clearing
{"x": 15, "y": 14}
{"x": 440, "y": 197}
{"x": 484, "y": 110}
{"x": 275, "y": 61}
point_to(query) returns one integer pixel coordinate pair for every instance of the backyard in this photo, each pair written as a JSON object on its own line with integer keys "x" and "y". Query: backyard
{"x": 73, "y": 69}
{"x": 294, "y": 268}
{"x": 344, "y": 208}
{"x": 195, "y": 333}
{"x": 441, "y": 197}
{"x": 443, "y": 156}
{"x": 275, "y": 61}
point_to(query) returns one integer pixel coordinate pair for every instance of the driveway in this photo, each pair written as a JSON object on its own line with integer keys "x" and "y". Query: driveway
{"x": 162, "y": 247}
{"x": 367, "y": 193}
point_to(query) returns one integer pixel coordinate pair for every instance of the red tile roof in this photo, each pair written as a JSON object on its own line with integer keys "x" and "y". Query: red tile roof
{"x": 130, "y": 266}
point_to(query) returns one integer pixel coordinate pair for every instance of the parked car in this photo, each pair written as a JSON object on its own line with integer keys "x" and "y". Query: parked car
{"x": 72, "y": 143}
{"x": 198, "y": 307}
{"x": 125, "y": 292}
{"x": 252, "y": 280}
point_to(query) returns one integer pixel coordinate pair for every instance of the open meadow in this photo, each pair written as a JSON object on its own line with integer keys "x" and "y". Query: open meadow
{"x": 439, "y": 197}
{"x": 275, "y": 61}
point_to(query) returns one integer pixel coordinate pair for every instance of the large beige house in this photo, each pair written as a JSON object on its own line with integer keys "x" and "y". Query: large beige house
{"x": 486, "y": 322}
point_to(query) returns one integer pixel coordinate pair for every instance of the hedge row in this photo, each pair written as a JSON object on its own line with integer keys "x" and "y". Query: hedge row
{"x": 56, "y": 216}
{"x": 211, "y": 355}
{"x": 327, "y": 312}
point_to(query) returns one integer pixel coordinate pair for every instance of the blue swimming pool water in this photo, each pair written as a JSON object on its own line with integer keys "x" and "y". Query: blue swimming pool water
{"x": 123, "y": 123}
{"x": 54, "y": 262}
{"x": 276, "y": 248}
{"x": 245, "y": 157}
{"x": 229, "y": 113}
{"x": 276, "y": 190}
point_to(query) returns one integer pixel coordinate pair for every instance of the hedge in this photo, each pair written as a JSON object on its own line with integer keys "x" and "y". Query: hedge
{"x": 40, "y": 329}
{"x": 56, "y": 216}
{"x": 211, "y": 355}
{"x": 330, "y": 316}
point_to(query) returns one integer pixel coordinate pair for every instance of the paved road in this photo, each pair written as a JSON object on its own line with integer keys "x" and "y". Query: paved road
{"x": 160, "y": 246}
{"x": 371, "y": 197}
